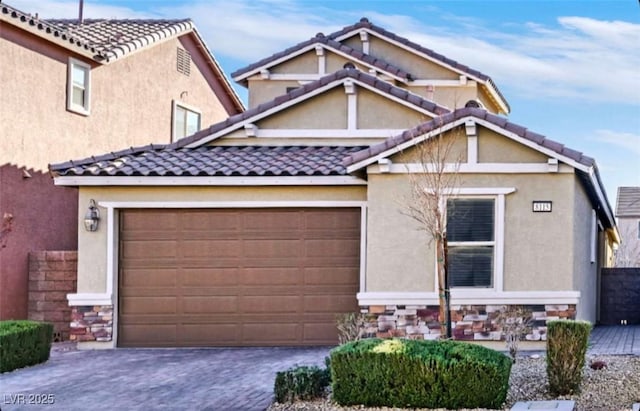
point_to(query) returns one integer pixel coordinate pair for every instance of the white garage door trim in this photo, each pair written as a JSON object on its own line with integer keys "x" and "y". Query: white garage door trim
{"x": 110, "y": 297}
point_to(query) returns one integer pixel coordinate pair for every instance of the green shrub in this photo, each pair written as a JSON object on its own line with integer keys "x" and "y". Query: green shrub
{"x": 300, "y": 383}
{"x": 24, "y": 343}
{"x": 567, "y": 343}
{"x": 417, "y": 373}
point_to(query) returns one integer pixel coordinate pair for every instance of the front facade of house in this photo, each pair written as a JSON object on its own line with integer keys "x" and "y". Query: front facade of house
{"x": 261, "y": 228}
{"x": 72, "y": 89}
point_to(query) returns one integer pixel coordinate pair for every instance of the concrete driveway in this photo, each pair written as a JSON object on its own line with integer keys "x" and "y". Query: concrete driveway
{"x": 153, "y": 379}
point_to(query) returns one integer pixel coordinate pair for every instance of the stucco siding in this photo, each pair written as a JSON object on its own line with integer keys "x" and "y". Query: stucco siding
{"x": 538, "y": 246}
{"x": 375, "y": 111}
{"x": 496, "y": 148}
{"x": 133, "y": 96}
{"x": 325, "y": 111}
{"x": 419, "y": 67}
{"x": 452, "y": 97}
{"x": 261, "y": 91}
{"x": 92, "y": 246}
{"x": 457, "y": 153}
{"x": 306, "y": 63}
{"x": 585, "y": 272}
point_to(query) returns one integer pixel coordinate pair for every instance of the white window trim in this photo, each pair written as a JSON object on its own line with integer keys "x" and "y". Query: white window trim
{"x": 174, "y": 105}
{"x": 71, "y": 106}
{"x": 498, "y": 194}
{"x": 110, "y": 296}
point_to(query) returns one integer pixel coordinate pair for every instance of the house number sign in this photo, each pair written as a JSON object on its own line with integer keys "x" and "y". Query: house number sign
{"x": 542, "y": 206}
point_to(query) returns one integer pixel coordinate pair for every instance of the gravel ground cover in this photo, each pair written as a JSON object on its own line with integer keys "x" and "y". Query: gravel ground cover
{"x": 613, "y": 388}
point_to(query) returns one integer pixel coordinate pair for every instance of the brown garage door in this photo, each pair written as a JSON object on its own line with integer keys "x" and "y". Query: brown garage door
{"x": 236, "y": 277}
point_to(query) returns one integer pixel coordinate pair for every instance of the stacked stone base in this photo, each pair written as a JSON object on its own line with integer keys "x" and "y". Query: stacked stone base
{"x": 92, "y": 323}
{"x": 468, "y": 322}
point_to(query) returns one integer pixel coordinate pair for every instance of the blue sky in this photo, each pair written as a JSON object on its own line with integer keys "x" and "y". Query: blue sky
{"x": 569, "y": 69}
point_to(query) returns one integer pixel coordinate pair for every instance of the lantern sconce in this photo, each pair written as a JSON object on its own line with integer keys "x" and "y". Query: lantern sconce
{"x": 92, "y": 217}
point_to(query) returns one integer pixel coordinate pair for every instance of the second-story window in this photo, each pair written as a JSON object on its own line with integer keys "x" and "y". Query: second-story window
{"x": 186, "y": 121}
{"x": 78, "y": 86}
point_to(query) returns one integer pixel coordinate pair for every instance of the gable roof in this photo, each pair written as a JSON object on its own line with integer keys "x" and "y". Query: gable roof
{"x": 365, "y": 24}
{"x": 586, "y": 167}
{"x": 107, "y": 40}
{"x": 628, "y": 202}
{"x": 302, "y": 93}
{"x": 242, "y": 74}
{"x": 209, "y": 161}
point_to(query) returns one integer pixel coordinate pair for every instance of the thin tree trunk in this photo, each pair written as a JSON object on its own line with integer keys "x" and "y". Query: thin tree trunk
{"x": 447, "y": 290}
{"x": 442, "y": 314}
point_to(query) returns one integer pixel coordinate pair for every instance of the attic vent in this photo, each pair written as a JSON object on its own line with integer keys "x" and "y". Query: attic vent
{"x": 349, "y": 66}
{"x": 183, "y": 62}
{"x": 474, "y": 104}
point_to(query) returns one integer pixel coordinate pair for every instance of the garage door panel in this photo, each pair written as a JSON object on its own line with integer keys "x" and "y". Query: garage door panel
{"x": 144, "y": 277}
{"x": 270, "y": 304}
{"x": 331, "y": 276}
{"x": 202, "y": 277}
{"x": 274, "y": 334}
{"x": 203, "y": 334}
{"x": 211, "y": 249}
{"x": 148, "y": 305}
{"x": 236, "y": 277}
{"x": 269, "y": 276}
{"x": 209, "y": 304}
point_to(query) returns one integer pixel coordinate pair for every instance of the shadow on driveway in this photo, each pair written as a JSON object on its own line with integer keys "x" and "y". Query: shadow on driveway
{"x": 154, "y": 379}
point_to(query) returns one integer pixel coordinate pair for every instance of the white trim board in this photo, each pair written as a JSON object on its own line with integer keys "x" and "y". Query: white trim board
{"x": 464, "y": 297}
{"x": 208, "y": 181}
{"x": 485, "y": 168}
{"x": 80, "y": 299}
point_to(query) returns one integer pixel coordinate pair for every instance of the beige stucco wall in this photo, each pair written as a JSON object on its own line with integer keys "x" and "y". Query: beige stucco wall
{"x": 377, "y": 112}
{"x": 538, "y": 246}
{"x": 131, "y": 101}
{"x": 585, "y": 273}
{"x": 306, "y": 63}
{"x": 451, "y": 97}
{"x": 92, "y": 246}
{"x": 261, "y": 91}
{"x": 495, "y": 148}
{"x": 325, "y": 111}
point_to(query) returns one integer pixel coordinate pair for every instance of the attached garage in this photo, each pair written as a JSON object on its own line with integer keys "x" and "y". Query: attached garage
{"x": 236, "y": 277}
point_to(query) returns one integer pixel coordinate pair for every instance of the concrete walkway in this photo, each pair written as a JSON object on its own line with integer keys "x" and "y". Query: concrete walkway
{"x": 615, "y": 340}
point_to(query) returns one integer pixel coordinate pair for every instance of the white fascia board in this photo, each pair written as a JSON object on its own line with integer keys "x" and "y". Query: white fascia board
{"x": 232, "y": 204}
{"x": 466, "y": 168}
{"x": 470, "y": 297}
{"x": 327, "y": 133}
{"x": 89, "y": 299}
{"x": 209, "y": 181}
{"x": 605, "y": 203}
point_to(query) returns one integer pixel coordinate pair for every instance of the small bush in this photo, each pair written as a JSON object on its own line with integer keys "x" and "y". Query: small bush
{"x": 300, "y": 383}
{"x": 24, "y": 343}
{"x": 420, "y": 374}
{"x": 567, "y": 343}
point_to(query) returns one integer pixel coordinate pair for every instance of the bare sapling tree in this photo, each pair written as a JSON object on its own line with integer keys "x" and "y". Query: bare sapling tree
{"x": 434, "y": 177}
{"x": 5, "y": 229}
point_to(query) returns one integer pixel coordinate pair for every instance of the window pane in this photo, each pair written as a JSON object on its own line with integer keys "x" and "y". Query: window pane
{"x": 193, "y": 122}
{"x": 79, "y": 76}
{"x": 78, "y": 96}
{"x": 470, "y": 266}
{"x": 470, "y": 219}
{"x": 180, "y": 125}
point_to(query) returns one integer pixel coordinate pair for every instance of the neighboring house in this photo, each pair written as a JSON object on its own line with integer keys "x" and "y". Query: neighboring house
{"x": 72, "y": 88}
{"x": 628, "y": 214}
{"x": 259, "y": 229}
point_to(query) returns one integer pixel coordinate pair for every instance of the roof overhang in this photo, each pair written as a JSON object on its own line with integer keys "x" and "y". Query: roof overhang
{"x": 155, "y": 181}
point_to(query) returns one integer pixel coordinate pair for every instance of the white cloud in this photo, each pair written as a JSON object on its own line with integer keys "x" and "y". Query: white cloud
{"x": 627, "y": 141}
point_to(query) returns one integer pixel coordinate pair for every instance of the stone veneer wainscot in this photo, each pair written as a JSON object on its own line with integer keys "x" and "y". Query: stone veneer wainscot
{"x": 92, "y": 323}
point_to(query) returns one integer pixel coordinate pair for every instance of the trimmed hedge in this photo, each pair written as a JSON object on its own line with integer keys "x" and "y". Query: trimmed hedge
{"x": 567, "y": 343}
{"x": 24, "y": 343}
{"x": 419, "y": 374}
{"x": 300, "y": 383}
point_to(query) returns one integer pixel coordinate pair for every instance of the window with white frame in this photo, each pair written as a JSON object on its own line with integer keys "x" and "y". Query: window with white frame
{"x": 78, "y": 86}
{"x": 186, "y": 121}
{"x": 471, "y": 239}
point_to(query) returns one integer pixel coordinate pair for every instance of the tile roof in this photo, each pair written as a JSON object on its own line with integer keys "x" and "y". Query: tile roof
{"x": 101, "y": 39}
{"x": 355, "y": 74}
{"x": 209, "y": 161}
{"x": 478, "y": 113}
{"x": 330, "y": 43}
{"x": 364, "y": 23}
{"x": 628, "y": 202}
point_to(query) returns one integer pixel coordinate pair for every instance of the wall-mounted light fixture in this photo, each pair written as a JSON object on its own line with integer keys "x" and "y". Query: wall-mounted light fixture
{"x": 92, "y": 217}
